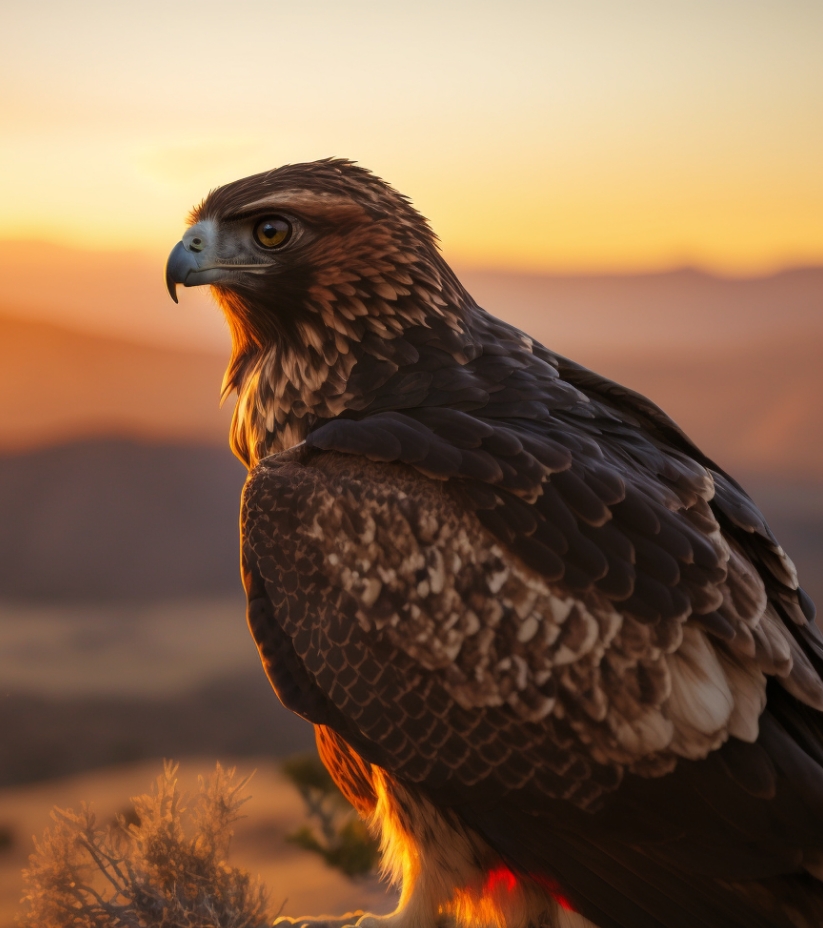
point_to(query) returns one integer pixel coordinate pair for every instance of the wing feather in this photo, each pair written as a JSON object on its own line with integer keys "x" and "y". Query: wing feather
{"x": 579, "y": 612}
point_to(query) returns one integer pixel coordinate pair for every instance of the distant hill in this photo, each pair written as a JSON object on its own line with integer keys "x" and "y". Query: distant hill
{"x": 109, "y": 519}
{"x": 117, "y": 294}
{"x": 755, "y": 409}
{"x": 239, "y": 715}
{"x": 674, "y": 311}
{"x": 57, "y": 384}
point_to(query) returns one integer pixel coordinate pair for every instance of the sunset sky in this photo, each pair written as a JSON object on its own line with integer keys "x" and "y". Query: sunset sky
{"x": 586, "y": 136}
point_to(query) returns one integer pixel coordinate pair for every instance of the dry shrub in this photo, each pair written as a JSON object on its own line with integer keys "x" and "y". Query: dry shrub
{"x": 167, "y": 868}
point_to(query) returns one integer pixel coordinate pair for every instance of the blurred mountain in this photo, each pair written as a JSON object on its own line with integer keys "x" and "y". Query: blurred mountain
{"x": 109, "y": 519}
{"x": 46, "y": 736}
{"x": 754, "y": 409}
{"x": 118, "y": 294}
{"x": 57, "y": 384}
{"x": 682, "y": 311}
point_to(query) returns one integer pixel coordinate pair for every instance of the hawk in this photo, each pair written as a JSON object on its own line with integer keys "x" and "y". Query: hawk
{"x": 552, "y": 652}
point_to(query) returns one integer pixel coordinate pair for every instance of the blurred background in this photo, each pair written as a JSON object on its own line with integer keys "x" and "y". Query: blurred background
{"x": 636, "y": 184}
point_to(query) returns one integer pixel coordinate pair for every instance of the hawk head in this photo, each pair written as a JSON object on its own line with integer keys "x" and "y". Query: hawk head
{"x": 314, "y": 265}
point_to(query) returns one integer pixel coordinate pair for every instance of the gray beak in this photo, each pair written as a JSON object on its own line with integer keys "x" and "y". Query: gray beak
{"x": 180, "y": 264}
{"x": 192, "y": 260}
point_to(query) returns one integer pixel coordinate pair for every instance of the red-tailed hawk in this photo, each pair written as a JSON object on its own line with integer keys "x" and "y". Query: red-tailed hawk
{"x": 552, "y": 651}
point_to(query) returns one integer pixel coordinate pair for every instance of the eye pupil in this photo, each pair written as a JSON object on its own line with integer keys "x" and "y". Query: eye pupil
{"x": 272, "y": 232}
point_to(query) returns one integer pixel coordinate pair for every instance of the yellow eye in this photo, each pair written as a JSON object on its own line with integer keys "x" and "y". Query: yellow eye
{"x": 272, "y": 232}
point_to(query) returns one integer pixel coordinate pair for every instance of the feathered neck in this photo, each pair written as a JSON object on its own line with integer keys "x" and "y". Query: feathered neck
{"x": 311, "y": 369}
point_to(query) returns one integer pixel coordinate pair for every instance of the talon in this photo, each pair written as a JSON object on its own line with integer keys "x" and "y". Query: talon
{"x": 350, "y": 920}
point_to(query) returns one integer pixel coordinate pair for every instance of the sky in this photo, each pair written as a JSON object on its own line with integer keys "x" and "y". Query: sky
{"x": 580, "y": 137}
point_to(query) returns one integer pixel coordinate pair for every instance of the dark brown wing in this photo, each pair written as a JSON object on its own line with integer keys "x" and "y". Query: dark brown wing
{"x": 593, "y": 487}
{"x": 368, "y": 624}
{"x": 341, "y": 555}
{"x": 568, "y": 631}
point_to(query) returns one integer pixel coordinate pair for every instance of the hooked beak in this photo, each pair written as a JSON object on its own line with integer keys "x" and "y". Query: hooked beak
{"x": 178, "y": 266}
{"x": 190, "y": 261}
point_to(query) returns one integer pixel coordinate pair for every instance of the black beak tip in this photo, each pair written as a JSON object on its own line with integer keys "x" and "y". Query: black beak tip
{"x": 177, "y": 268}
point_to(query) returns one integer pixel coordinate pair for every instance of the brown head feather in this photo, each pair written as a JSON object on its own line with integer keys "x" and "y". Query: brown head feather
{"x": 364, "y": 268}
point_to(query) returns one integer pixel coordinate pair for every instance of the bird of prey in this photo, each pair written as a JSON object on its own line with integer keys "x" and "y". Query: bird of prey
{"x": 552, "y": 652}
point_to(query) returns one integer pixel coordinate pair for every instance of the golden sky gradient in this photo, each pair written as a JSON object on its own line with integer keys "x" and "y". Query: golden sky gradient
{"x": 584, "y": 136}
